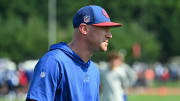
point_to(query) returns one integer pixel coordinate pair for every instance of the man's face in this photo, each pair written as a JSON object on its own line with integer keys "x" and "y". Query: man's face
{"x": 98, "y": 37}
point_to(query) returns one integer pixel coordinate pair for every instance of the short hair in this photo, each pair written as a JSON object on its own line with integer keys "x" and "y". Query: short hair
{"x": 115, "y": 55}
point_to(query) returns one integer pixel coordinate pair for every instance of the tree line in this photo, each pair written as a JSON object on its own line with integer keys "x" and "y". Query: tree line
{"x": 153, "y": 24}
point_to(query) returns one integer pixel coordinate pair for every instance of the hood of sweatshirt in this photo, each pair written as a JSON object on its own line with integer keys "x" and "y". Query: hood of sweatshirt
{"x": 69, "y": 52}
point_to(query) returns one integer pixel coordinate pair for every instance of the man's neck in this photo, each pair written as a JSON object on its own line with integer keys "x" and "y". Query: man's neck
{"x": 81, "y": 49}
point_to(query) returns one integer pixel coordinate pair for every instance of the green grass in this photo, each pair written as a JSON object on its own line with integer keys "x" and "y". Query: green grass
{"x": 153, "y": 98}
{"x": 134, "y": 98}
{"x": 167, "y": 84}
{"x": 3, "y": 99}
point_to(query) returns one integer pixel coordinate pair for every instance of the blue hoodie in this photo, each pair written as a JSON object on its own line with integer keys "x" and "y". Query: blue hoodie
{"x": 61, "y": 75}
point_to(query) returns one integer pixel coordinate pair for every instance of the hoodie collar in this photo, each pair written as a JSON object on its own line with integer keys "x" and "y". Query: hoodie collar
{"x": 69, "y": 52}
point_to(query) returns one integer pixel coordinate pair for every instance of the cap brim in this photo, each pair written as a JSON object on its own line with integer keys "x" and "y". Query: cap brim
{"x": 108, "y": 24}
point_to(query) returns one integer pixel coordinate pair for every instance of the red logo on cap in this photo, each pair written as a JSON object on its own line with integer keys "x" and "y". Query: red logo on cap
{"x": 105, "y": 13}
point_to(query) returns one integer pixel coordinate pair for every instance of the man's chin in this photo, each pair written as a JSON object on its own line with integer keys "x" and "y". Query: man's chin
{"x": 103, "y": 49}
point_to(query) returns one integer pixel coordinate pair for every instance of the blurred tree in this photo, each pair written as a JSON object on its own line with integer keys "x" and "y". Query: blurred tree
{"x": 21, "y": 41}
{"x": 23, "y": 26}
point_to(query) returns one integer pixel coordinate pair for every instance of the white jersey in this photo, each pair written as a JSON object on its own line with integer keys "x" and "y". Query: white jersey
{"x": 115, "y": 81}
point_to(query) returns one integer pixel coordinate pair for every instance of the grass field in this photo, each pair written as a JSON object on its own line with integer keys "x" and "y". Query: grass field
{"x": 170, "y": 84}
{"x": 4, "y": 99}
{"x": 137, "y": 98}
{"x": 153, "y": 98}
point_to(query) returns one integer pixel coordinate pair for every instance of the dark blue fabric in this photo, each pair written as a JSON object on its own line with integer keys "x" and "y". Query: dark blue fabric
{"x": 93, "y": 12}
{"x": 61, "y": 75}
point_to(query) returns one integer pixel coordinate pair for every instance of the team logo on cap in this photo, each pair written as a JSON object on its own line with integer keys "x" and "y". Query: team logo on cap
{"x": 86, "y": 19}
{"x": 105, "y": 13}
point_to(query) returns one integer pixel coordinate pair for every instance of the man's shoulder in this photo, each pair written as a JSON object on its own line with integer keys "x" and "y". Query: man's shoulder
{"x": 49, "y": 59}
{"x": 54, "y": 54}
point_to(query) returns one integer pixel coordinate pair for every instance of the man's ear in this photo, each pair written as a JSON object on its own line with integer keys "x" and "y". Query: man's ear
{"x": 83, "y": 28}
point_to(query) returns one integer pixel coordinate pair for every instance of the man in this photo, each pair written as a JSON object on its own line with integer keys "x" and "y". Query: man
{"x": 66, "y": 72}
{"x": 116, "y": 78}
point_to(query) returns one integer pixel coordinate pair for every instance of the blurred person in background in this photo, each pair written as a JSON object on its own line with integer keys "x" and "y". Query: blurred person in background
{"x": 140, "y": 68}
{"x": 159, "y": 69}
{"x": 9, "y": 74}
{"x": 116, "y": 78}
{"x": 166, "y": 75}
{"x": 149, "y": 75}
{"x": 173, "y": 71}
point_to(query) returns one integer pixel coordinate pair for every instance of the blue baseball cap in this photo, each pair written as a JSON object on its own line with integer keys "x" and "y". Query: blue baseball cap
{"x": 93, "y": 15}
